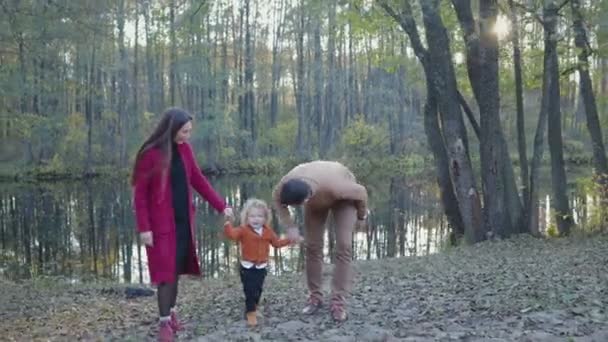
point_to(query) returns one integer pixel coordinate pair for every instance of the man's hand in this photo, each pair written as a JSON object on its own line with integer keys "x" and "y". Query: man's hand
{"x": 362, "y": 221}
{"x": 293, "y": 234}
{"x": 361, "y": 224}
{"x": 364, "y": 216}
{"x": 146, "y": 239}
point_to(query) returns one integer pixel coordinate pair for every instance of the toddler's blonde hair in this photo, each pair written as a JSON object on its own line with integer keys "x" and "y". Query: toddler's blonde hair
{"x": 255, "y": 203}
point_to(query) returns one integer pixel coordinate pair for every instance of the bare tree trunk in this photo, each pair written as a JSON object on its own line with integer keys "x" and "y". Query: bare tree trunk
{"x": 586, "y": 88}
{"x": 172, "y": 53}
{"x": 503, "y": 212}
{"x": 560, "y": 204}
{"x": 300, "y": 84}
{"x": 331, "y": 117}
{"x": 23, "y": 77}
{"x": 153, "y": 101}
{"x": 440, "y": 76}
{"x": 239, "y": 58}
{"x": 225, "y": 72}
{"x": 250, "y": 117}
{"x": 92, "y": 225}
{"x": 276, "y": 63}
{"x": 446, "y": 188}
{"x": 353, "y": 84}
{"x": 123, "y": 89}
{"x": 454, "y": 132}
{"x": 391, "y": 228}
{"x": 89, "y": 110}
{"x": 521, "y": 132}
{"x": 135, "y": 106}
{"x": 160, "y": 71}
{"x": 318, "y": 86}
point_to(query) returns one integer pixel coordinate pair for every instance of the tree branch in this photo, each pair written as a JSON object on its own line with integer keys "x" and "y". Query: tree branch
{"x": 530, "y": 11}
{"x": 570, "y": 70}
{"x": 203, "y": 2}
{"x": 559, "y": 8}
{"x": 469, "y": 113}
{"x": 408, "y": 24}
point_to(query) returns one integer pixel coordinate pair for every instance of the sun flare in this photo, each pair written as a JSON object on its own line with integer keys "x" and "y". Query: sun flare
{"x": 502, "y": 27}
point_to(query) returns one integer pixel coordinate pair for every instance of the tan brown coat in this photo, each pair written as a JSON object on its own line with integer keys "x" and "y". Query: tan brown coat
{"x": 330, "y": 182}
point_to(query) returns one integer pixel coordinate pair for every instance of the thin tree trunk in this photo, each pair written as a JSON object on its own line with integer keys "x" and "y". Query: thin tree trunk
{"x": 300, "y": 84}
{"x": 318, "y": 87}
{"x": 391, "y": 233}
{"x": 250, "y": 117}
{"x": 123, "y": 89}
{"x": 136, "y": 71}
{"x": 172, "y": 53}
{"x": 521, "y": 132}
{"x": 331, "y": 113}
{"x": 152, "y": 94}
{"x": 559, "y": 202}
{"x": 23, "y": 101}
{"x": 276, "y": 63}
{"x": 586, "y": 88}
{"x": 91, "y": 217}
{"x": 446, "y": 188}
{"x": 89, "y": 110}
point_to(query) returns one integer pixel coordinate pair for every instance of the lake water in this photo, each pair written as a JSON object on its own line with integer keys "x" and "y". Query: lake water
{"x": 86, "y": 230}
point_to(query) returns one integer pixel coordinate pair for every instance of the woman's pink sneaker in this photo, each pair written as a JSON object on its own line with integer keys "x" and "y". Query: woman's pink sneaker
{"x": 165, "y": 332}
{"x": 176, "y": 325}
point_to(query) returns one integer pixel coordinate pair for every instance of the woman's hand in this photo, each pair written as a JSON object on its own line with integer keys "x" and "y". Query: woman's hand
{"x": 146, "y": 239}
{"x": 228, "y": 214}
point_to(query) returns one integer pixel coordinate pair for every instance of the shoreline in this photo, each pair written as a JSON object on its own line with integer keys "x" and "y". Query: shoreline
{"x": 398, "y": 165}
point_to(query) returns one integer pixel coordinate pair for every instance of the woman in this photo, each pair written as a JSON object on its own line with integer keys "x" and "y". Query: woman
{"x": 165, "y": 169}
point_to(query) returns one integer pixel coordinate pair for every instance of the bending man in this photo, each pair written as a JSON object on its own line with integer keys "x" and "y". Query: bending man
{"x": 321, "y": 187}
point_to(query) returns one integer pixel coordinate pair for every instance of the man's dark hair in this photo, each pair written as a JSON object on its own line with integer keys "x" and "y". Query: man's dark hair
{"x": 294, "y": 192}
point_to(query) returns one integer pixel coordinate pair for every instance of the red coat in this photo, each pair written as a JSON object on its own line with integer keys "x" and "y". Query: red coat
{"x": 154, "y": 210}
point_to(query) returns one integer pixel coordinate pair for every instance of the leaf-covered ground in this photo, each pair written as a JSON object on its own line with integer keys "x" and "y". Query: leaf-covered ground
{"x": 521, "y": 289}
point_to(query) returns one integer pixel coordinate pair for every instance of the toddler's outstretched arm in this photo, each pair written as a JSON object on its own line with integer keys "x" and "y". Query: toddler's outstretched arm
{"x": 278, "y": 243}
{"x": 231, "y": 232}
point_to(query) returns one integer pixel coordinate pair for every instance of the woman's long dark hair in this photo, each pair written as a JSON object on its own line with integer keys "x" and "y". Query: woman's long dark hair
{"x": 172, "y": 121}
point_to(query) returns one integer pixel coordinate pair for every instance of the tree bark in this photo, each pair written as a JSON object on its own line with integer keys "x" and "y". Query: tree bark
{"x": 446, "y": 187}
{"x": 300, "y": 83}
{"x": 153, "y": 94}
{"x": 559, "y": 202}
{"x": 250, "y": 116}
{"x": 586, "y": 89}
{"x": 440, "y": 77}
{"x": 318, "y": 86}
{"x": 136, "y": 71}
{"x": 90, "y": 74}
{"x": 503, "y": 212}
{"x": 331, "y": 117}
{"x": 123, "y": 88}
{"x": 276, "y": 63}
{"x": 519, "y": 99}
{"x": 454, "y": 132}
{"x": 172, "y": 54}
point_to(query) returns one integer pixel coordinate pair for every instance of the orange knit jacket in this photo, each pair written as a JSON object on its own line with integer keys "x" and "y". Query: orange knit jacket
{"x": 254, "y": 247}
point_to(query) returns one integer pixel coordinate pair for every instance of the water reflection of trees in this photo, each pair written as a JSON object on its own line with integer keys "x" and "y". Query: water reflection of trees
{"x": 85, "y": 230}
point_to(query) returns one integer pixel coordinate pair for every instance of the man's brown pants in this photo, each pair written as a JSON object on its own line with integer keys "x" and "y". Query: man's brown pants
{"x": 345, "y": 217}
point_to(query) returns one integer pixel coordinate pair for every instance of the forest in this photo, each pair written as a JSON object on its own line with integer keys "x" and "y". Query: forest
{"x": 477, "y": 127}
{"x": 473, "y": 91}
